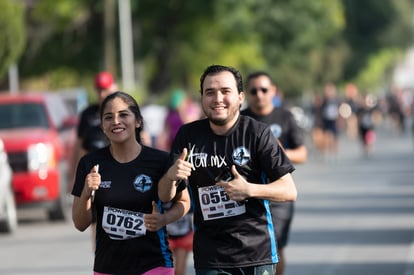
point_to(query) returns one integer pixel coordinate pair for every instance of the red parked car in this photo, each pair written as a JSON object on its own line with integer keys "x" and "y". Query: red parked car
{"x": 38, "y": 132}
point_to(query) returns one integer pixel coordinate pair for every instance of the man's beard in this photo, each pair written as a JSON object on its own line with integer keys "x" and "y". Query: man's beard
{"x": 218, "y": 122}
{"x": 223, "y": 121}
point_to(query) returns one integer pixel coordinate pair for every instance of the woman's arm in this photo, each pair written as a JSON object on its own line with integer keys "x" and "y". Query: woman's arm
{"x": 155, "y": 221}
{"x": 82, "y": 206}
{"x": 82, "y": 212}
{"x": 180, "y": 170}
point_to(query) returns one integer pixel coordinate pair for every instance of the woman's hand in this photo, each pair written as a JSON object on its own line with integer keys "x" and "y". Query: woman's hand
{"x": 154, "y": 221}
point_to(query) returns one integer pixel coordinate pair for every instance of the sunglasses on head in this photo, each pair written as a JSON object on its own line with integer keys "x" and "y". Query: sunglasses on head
{"x": 254, "y": 91}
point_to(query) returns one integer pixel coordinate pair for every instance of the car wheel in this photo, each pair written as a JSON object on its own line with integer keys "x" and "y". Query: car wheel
{"x": 58, "y": 210}
{"x": 9, "y": 223}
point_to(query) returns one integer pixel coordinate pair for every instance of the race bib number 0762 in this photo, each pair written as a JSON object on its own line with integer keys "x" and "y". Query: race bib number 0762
{"x": 121, "y": 224}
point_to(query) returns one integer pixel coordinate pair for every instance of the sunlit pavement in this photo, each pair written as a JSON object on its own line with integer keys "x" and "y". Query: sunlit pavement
{"x": 355, "y": 215}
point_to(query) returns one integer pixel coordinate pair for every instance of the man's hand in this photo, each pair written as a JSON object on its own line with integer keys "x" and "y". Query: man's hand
{"x": 238, "y": 188}
{"x": 181, "y": 169}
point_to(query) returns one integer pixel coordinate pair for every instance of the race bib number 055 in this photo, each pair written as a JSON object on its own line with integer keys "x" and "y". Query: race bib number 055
{"x": 216, "y": 204}
{"x": 121, "y": 224}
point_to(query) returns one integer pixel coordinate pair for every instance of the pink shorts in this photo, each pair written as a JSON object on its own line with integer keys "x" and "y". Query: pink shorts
{"x": 185, "y": 242}
{"x": 155, "y": 271}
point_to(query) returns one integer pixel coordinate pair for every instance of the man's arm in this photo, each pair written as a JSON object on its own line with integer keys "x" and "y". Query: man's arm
{"x": 238, "y": 189}
{"x": 283, "y": 189}
{"x": 180, "y": 170}
{"x": 298, "y": 155}
{"x": 167, "y": 188}
{"x": 180, "y": 207}
{"x": 155, "y": 221}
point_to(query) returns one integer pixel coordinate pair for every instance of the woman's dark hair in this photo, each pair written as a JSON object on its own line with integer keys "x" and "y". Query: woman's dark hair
{"x": 215, "y": 69}
{"x": 132, "y": 106}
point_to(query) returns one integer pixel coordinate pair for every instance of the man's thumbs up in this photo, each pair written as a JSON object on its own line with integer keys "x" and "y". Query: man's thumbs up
{"x": 181, "y": 169}
{"x": 237, "y": 188}
{"x": 183, "y": 154}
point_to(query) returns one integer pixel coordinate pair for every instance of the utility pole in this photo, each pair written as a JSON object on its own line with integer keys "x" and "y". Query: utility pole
{"x": 109, "y": 36}
{"x": 127, "y": 55}
{"x": 13, "y": 79}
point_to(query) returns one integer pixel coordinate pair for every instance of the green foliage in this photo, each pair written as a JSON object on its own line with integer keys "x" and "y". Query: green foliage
{"x": 60, "y": 14}
{"x": 303, "y": 44}
{"x": 373, "y": 25}
{"x": 61, "y": 35}
{"x": 378, "y": 70}
{"x": 293, "y": 34}
{"x": 12, "y": 34}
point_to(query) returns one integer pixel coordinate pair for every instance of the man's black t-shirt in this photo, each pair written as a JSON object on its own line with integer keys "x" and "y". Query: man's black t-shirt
{"x": 229, "y": 233}
{"x": 90, "y": 131}
{"x": 284, "y": 127}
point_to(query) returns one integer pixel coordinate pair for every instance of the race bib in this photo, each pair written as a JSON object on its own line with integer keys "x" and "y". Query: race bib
{"x": 121, "y": 224}
{"x": 180, "y": 227}
{"x": 216, "y": 204}
{"x": 331, "y": 111}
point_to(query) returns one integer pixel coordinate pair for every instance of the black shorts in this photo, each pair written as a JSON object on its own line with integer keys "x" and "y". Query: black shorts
{"x": 282, "y": 228}
{"x": 330, "y": 126}
{"x": 282, "y": 215}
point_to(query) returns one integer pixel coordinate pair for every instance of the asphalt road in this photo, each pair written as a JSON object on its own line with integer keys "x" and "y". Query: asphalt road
{"x": 353, "y": 216}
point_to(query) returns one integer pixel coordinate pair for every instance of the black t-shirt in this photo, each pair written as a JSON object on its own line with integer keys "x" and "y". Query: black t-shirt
{"x": 126, "y": 192}
{"x": 365, "y": 120}
{"x": 90, "y": 131}
{"x": 228, "y": 233}
{"x": 284, "y": 127}
{"x": 330, "y": 109}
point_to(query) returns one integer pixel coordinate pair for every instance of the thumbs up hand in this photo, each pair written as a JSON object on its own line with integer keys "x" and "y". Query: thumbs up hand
{"x": 238, "y": 188}
{"x": 154, "y": 221}
{"x": 92, "y": 181}
{"x": 181, "y": 169}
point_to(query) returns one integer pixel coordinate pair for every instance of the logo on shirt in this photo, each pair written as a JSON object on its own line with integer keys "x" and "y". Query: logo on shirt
{"x": 105, "y": 184}
{"x": 276, "y": 130}
{"x": 241, "y": 156}
{"x": 143, "y": 183}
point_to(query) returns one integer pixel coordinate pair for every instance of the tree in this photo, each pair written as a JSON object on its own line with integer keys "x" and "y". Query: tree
{"x": 294, "y": 36}
{"x": 303, "y": 44}
{"x": 275, "y": 35}
{"x": 65, "y": 43}
{"x": 12, "y": 35}
{"x": 372, "y": 27}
